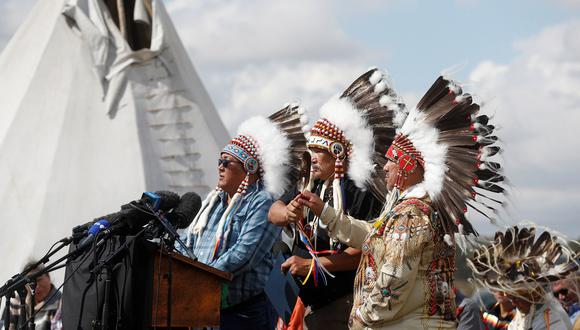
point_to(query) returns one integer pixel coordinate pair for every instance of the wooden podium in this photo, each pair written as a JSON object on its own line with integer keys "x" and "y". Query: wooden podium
{"x": 195, "y": 293}
{"x": 140, "y": 292}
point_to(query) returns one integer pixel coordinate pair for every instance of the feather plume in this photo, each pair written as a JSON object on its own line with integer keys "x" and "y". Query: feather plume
{"x": 457, "y": 145}
{"x": 514, "y": 263}
{"x": 369, "y": 112}
{"x": 291, "y": 120}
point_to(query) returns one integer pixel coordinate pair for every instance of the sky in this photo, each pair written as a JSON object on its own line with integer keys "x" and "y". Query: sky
{"x": 520, "y": 58}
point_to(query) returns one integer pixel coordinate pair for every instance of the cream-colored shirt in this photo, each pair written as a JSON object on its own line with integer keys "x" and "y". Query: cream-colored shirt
{"x": 405, "y": 277}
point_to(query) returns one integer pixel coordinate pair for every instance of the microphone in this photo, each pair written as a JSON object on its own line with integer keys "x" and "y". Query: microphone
{"x": 133, "y": 212}
{"x": 160, "y": 200}
{"x": 188, "y": 207}
{"x": 95, "y": 229}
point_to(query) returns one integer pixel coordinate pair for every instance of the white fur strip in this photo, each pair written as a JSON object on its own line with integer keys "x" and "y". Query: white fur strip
{"x": 343, "y": 114}
{"x": 425, "y": 139}
{"x": 274, "y": 151}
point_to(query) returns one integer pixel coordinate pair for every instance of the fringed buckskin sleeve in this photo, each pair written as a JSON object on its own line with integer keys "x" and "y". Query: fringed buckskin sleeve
{"x": 345, "y": 228}
{"x": 405, "y": 277}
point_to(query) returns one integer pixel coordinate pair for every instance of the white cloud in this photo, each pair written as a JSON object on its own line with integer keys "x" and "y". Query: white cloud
{"x": 262, "y": 89}
{"x": 569, "y": 3}
{"x": 256, "y": 55}
{"x": 236, "y": 31}
{"x": 536, "y": 99}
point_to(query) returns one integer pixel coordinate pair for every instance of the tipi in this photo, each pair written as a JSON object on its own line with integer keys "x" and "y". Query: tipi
{"x": 98, "y": 103}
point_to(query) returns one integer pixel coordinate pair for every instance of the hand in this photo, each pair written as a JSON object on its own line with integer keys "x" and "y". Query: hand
{"x": 297, "y": 266}
{"x": 311, "y": 201}
{"x": 356, "y": 321}
{"x": 294, "y": 210}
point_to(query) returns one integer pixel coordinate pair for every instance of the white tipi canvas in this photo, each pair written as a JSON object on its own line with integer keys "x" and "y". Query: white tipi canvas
{"x": 87, "y": 124}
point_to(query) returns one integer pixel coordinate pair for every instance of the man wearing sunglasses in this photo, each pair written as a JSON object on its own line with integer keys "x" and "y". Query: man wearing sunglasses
{"x": 566, "y": 291}
{"x": 231, "y": 232}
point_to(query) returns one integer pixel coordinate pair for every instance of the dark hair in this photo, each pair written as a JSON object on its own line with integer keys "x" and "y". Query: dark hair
{"x": 31, "y": 263}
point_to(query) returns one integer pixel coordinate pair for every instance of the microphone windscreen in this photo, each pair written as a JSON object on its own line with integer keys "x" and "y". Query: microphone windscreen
{"x": 169, "y": 199}
{"x": 98, "y": 226}
{"x": 183, "y": 214}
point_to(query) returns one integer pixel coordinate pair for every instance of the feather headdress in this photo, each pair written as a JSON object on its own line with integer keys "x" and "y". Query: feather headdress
{"x": 355, "y": 126}
{"x": 454, "y": 145}
{"x": 514, "y": 263}
{"x": 292, "y": 121}
{"x": 269, "y": 147}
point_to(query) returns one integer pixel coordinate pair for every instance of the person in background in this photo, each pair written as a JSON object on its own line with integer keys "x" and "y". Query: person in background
{"x": 47, "y": 300}
{"x": 566, "y": 291}
{"x": 469, "y": 315}
{"x": 522, "y": 268}
{"x": 499, "y": 314}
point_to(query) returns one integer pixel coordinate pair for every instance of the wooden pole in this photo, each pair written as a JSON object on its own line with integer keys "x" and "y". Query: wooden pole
{"x": 122, "y": 18}
{"x": 148, "y": 7}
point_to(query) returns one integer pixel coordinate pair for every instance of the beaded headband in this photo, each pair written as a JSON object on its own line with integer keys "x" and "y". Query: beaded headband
{"x": 327, "y": 136}
{"x": 244, "y": 149}
{"x": 403, "y": 153}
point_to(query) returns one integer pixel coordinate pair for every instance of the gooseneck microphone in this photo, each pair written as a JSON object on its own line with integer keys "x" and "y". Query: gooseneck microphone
{"x": 95, "y": 229}
{"x": 131, "y": 214}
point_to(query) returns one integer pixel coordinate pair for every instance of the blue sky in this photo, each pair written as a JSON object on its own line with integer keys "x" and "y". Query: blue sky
{"x": 415, "y": 40}
{"x": 521, "y": 58}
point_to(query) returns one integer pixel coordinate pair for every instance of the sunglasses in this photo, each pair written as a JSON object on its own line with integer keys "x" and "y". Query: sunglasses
{"x": 226, "y": 162}
{"x": 560, "y": 292}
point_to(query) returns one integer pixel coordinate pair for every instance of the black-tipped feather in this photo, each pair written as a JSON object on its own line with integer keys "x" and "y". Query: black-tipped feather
{"x": 465, "y": 134}
{"x": 514, "y": 262}
{"x": 366, "y": 99}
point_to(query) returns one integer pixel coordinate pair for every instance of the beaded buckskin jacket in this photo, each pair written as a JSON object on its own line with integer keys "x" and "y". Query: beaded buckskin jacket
{"x": 405, "y": 276}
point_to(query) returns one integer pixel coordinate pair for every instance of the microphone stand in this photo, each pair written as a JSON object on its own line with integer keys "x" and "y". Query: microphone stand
{"x": 173, "y": 235}
{"x": 18, "y": 281}
{"x": 105, "y": 268}
{"x": 7, "y": 310}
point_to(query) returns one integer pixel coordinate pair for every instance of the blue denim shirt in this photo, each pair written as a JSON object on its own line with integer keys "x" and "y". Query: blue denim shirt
{"x": 248, "y": 250}
{"x": 574, "y": 312}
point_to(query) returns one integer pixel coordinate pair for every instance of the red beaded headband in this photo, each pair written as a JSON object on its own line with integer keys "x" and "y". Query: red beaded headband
{"x": 403, "y": 153}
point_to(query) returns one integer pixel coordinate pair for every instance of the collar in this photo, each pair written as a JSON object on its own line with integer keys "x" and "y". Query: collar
{"x": 415, "y": 191}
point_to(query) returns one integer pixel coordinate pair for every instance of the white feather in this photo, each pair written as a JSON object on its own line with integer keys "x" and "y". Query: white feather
{"x": 460, "y": 98}
{"x": 343, "y": 114}
{"x": 399, "y": 119}
{"x": 447, "y": 239}
{"x": 273, "y": 149}
{"x": 387, "y": 101}
{"x": 375, "y": 77}
{"x": 425, "y": 139}
{"x": 454, "y": 86}
{"x": 381, "y": 86}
